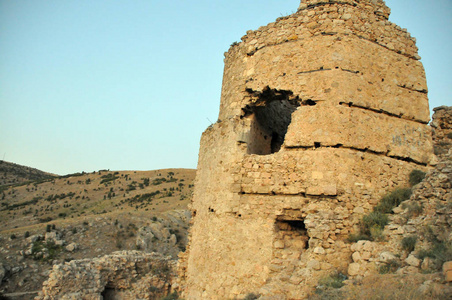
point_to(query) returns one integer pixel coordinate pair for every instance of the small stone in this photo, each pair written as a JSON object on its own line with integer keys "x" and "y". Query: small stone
{"x": 413, "y": 261}
{"x": 427, "y": 264}
{"x": 71, "y": 247}
{"x": 319, "y": 250}
{"x": 447, "y": 266}
{"x": 356, "y": 257}
{"x": 279, "y": 245}
{"x": 353, "y": 269}
{"x": 314, "y": 264}
{"x": 387, "y": 256}
{"x": 448, "y": 276}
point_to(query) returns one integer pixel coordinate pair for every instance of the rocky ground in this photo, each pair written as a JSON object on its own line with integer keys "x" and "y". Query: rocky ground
{"x": 83, "y": 216}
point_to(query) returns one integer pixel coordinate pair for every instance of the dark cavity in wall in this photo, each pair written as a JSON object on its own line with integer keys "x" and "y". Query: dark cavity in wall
{"x": 271, "y": 113}
{"x": 292, "y": 233}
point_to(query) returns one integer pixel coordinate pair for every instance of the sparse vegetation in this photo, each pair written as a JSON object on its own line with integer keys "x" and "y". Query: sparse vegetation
{"x": 409, "y": 243}
{"x": 372, "y": 225}
{"x": 172, "y": 296}
{"x": 328, "y": 287}
{"x": 416, "y": 176}
{"x": 440, "y": 249}
{"x": 79, "y": 201}
{"x": 393, "y": 199}
{"x": 390, "y": 267}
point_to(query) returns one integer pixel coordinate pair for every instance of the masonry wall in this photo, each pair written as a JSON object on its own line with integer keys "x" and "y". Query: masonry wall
{"x": 322, "y": 112}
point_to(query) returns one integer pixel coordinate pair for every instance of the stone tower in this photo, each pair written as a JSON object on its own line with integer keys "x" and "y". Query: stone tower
{"x": 322, "y": 112}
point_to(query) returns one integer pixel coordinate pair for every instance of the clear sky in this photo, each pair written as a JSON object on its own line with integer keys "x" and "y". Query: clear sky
{"x": 131, "y": 84}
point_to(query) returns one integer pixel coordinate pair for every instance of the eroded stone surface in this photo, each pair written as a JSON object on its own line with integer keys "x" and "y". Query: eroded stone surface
{"x": 121, "y": 275}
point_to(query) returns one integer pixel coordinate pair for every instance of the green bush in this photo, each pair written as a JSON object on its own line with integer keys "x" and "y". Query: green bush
{"x": 414, "y": 208}
{"x": 409, "y": 243}
{"x": 449, "y": 135}
{"x": 389, "y": 267}
{"x": 416, "y": 176}
{"x": 441, "y": 252}
{"x": 374, "y": 219}
{"x": 27, "y": 234}
{"x": 335, "y": 281}
{"x": 393, "y": 199}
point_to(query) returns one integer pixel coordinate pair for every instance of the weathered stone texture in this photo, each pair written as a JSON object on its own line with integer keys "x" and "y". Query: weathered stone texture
{"x": 322, "y": 112}
{"x": 442, "y": 129}
{"x": 121, "y": 275}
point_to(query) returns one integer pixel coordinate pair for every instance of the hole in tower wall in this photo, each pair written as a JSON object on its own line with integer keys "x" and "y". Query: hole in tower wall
{"x": 292, "y": 234}
{"x": 271, "y": 114}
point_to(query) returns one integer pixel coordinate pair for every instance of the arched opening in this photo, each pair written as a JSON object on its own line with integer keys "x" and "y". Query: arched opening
{"x": 271, "y": 113}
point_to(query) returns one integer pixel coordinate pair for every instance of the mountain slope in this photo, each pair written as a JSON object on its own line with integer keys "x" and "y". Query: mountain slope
{"x": 82, "y": 216}
{"x": 11, "y": 173}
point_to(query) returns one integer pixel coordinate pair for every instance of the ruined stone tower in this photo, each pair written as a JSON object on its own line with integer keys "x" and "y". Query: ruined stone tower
{"x": 322, "y": 112}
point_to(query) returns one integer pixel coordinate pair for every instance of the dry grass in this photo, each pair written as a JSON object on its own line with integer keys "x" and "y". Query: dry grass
{"x": 388, "y": 287}
{"x": 395, "y": 287}
{"x": 73, "y": 198}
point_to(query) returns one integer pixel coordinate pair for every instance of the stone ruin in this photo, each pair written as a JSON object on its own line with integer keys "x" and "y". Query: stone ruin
{"x": 322, "y": 112}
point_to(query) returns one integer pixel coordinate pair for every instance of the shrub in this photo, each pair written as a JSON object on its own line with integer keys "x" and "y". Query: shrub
{"x": 353, "y": 238}
{"x": 13, "y": 236}
{"x": 335, "y": 281}
{"x": 392, "y": 200}
{"x": 414, "y": 208}
{"x": 416, "y": 176}
{"x": 172, "y": 296}
{"x": 389, "y": 267}
{"x": 409, "y": 243}
{"x": 449, "y": 135}
{"x": 48, "y": 228}
{"x": 251, "y": 296}
{"x": 441, "y": 252}
{"x": 374, "y": 219}
{"x": 27, "y": 234}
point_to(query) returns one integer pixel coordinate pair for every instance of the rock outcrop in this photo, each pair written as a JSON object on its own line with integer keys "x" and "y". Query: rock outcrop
{"x": 121, "y": 275}
{"x": 322, "y": 112}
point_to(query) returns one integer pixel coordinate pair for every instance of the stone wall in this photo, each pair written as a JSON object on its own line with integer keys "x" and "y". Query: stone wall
{"x": 322, "y": 112}
{"x": 121, "y": 275}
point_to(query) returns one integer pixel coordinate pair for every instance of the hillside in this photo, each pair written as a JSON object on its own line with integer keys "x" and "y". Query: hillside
{"x": 85, "y": 215}
{"x": 11, "y": 173}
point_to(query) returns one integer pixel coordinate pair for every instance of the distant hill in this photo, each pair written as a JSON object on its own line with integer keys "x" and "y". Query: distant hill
{"x": 55, "y": 219}
{"x": 11, "y": 173}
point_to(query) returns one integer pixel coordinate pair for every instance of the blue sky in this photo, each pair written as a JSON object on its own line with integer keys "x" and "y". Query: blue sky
{"x": 132, "y": 84}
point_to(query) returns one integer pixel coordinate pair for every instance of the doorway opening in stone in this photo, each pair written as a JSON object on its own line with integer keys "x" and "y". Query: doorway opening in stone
{"x": 271, "y": 113}
{"x": 109, "y": 294}
{"x": 291, "y": 235}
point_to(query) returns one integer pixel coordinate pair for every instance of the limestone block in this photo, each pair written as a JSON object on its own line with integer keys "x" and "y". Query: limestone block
{"x": 387, "y": 256}
{"x": 447, "y": 266}
{"x": 356, "y": 257}
{"x": 359, "y": 129}
{"x": 413, "y": 261}
{"x": 447, "y": 270}
{"x": 448, "y": 276}
{"x": 314, "y": 264}
{"x": 354, "y": 269}
{"x": 279, "y": 244}
{"x": 319, "y": 250}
